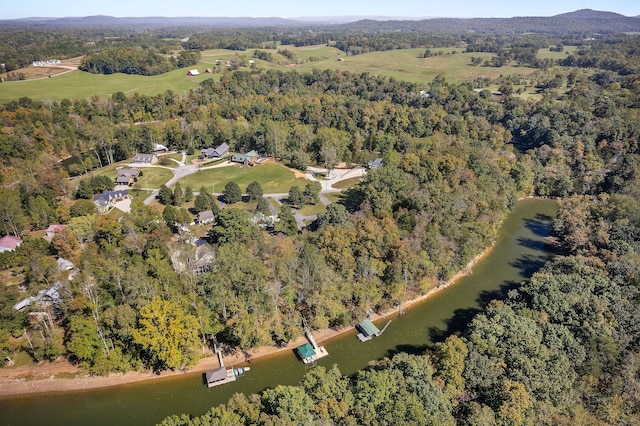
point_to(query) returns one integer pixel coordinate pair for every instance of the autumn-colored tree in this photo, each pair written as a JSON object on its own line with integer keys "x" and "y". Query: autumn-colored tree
{"x": 168, "y": 334}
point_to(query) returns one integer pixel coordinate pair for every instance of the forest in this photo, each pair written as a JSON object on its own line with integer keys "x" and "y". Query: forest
{"x": 560, "y": 349}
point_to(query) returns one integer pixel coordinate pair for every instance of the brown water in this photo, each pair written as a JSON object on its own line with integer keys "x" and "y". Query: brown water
{"x": 519, "y": 251}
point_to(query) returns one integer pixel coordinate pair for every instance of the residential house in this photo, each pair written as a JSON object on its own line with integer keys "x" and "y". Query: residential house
{"x": 198, "y": 261}
{"x": 204, "y": 217}
{"x": 218, "y": 152}
{"x": 45, "y": 297}
{"x": 375, "y": 163}
{"x": 248, "y": 158}
{"x": 145, "y": 158}
{"x": 108, "y": 199}
{"x": 9, "y": 243}
{"x": 52, "y": 230}
{"x": 127, "y": 176}
{"x": 64, "y": 264}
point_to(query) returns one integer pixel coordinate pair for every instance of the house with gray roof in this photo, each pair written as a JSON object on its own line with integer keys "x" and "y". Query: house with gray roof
{"x": 218, "y": 152}
{"x": 145, "y": 158}
{"x": 127, "y": 176}
{"x": 108, "y": 199}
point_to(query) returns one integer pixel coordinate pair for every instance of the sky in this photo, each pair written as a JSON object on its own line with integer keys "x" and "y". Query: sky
{"x": 305, "y": 8}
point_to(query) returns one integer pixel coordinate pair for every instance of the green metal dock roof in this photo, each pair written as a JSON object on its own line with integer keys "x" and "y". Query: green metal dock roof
{"x": 368, "y": 328}
{"x": 306, "y": 351}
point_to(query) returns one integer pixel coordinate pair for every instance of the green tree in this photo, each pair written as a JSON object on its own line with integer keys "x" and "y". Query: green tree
{"x": 85, "y": 190}
{"x": 287, "y": 223}
{"x": 188, "y": 194}
{"x": 231, "y": 193}
{"x": 165, "y": 195}
{"x": 84, "y": 343}
{"x": 263, "y": 206}
{"x": 296, "y": 197}
{"x": 82, "y": 207}
{"x": 289, "y": 404}
{"x": 312, "y": 191}
{"x": 168, "y": 334}
{"x": 12, "y": 217}
{"x": 204, "y": 201}
{"x": 254, "y": 190}
{"x": 178, "y": 195}
{"x": 232, "y": 225}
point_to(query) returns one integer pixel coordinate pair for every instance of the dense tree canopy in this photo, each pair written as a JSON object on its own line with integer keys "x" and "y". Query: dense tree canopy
{"x": 561, "y": 348}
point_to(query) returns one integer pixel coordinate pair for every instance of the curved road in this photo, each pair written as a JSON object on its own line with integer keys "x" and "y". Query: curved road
{"x": 335, "y": 175}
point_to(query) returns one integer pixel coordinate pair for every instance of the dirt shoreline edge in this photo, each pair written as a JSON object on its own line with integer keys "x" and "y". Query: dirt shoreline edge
{"x": 30, "y": 380}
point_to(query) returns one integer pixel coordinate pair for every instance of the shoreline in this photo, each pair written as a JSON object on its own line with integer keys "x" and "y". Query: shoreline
{"x": 41, "y": 378}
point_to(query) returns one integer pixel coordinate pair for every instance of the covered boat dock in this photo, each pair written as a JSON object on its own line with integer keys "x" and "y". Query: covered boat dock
{"x": 308, "y": 354}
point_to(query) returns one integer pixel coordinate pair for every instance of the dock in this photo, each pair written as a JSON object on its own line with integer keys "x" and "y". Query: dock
{"x": 310, "y": 352}
{"x": 367, "y": 330}
{"x": 221, "y": 375}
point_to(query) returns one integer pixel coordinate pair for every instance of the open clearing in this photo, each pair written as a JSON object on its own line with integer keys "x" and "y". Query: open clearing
{"x": 404, "y": 64}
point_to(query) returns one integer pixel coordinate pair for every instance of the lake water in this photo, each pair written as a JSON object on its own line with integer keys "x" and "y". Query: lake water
{"x": 519, "y": 251}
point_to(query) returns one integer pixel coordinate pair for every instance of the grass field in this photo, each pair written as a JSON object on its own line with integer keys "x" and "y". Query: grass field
{"x": 311, "y": 209}
{"x": 274, "y": 178}
{"x": 152, "y": 177}
{"x": 347, "y": 183}
{"x": 402, "y": 64}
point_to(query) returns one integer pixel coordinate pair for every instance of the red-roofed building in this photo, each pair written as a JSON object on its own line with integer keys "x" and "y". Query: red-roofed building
{"x": 52, "y": 230}
{"x": 9, "y": 243}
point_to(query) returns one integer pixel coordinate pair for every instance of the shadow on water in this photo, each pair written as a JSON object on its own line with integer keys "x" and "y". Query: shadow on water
{"x": 529, "y": 264}
{"x": 539, "y": 225}
{"x": 409, "y": 349}
{"x": 457, "y": 323}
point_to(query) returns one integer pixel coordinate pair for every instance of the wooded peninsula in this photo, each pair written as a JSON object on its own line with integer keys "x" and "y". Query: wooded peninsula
{"x": 141, "y": 230}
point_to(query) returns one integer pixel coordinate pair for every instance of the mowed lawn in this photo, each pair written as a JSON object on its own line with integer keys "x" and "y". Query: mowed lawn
{"x": 152, "y": 177}
{"x": 273, "y": 177}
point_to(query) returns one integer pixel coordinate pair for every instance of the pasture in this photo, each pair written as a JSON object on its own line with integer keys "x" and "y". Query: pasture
{"x": 404, "y": 64}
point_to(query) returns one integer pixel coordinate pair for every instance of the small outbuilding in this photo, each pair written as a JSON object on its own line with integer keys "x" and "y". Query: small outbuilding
{"x": 191, "y": 73}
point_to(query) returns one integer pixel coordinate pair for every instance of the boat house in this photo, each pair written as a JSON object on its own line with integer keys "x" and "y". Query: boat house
{"x": 218, "y": 376}
{"x": 367, "y": 330}
{"x": 310, "y": 352}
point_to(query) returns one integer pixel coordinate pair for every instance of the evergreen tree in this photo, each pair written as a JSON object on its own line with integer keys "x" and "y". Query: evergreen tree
{"x": 232, "y": 193}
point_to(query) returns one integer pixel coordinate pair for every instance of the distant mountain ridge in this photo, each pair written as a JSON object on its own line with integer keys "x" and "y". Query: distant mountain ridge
{"x": 584, "y": 21}
{"x": 590, "y": 14}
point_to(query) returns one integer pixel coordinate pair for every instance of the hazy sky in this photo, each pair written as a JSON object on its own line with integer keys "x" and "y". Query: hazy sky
{"x": 298, "y": 8}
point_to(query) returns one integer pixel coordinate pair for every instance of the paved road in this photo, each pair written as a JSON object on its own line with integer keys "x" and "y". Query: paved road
{"x": 335, "y": 175}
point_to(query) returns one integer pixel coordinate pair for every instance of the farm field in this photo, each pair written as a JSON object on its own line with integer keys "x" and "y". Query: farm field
{"x": 402, "y": 64}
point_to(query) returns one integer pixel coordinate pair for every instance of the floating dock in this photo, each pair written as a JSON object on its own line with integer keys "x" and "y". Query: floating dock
{"x": 221, "y": 375}
{"x": 367, "y": 330}
{"x": 310, "y": 352}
